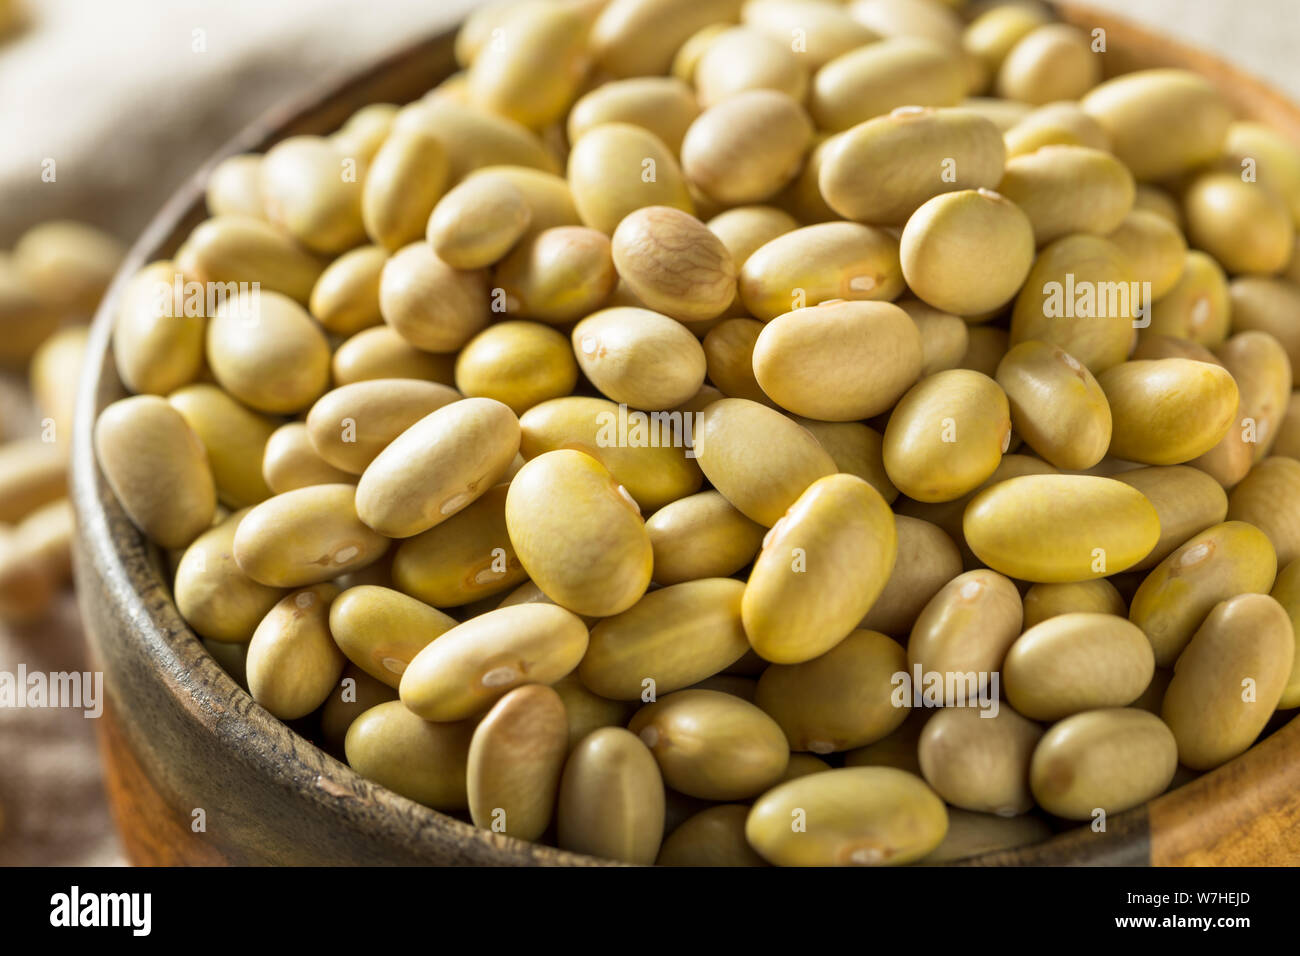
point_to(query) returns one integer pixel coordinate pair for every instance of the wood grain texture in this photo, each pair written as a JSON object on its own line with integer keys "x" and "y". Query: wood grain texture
{"x": 186, "y": 736}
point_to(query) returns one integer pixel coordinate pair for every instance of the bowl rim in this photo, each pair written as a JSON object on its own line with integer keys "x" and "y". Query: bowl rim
{"x": 225, "y": 710}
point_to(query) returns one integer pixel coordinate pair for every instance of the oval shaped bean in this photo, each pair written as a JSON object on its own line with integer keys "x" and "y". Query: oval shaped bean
{"x": 558, "y": 276}
{"x": 1056, "y": 405}
{"x": 463, "y": 559}
{"x": 433, "y": 306}
{"x": 234, "y": 438}
{"x": 840, "y": 700}
{"x": 1060, "y": 528}
{"x": 1198, "y": 306}
{"x": 611, "y": 801}
{"x": 306, "y": 536}
{"x": 217, "y": 599}
{"x": 747, "y": 147}
{"x": 713, "y": 837}
{"x": 306, "y": 190}
{"x": 712, "y": 745}
{"x": 249, "y": 251}
{"x": 1062, "y": 123}
{"x": 674, "y": 264}
{"x": 664, "y": 105}
{"x": 293, "y": 663}
{"x": 381, "y": 630}
{"x": 1156, "y": 248}
{"x": 1045, "y": 601}
{"x": 863, "y": 816}
{"x": 381, "y": 352}
{"x": 1168, "y": 411}
{"x": 821, "y": 568}
{"x": 1269, "y": 498}
{"x": 1080, "y": 296}
{"x": 673, "y": 637}
{"x": 290, "y": 462}
{"x": 144, "y": 444}
{"x": 618, "y": 168}
{"x": 466, "y": 669}
{"x": 578, "y": 533}
{"x": 349, "y": 426}
{"x": 1069, "y": 189}
{"x": 422, "y": 761}
{"x": 1245, "y": 226}
{"x": 856, "y": 450}
{"x": 915, "y": 154}
{"x": 966, "y": 628}
{"x": 830, "y": 260}
{"x": 1052, "y": 62}
{"x": 701, "y": 536}
{"x": 1109, "y": 760}
{"x": 265, "y": 350}
{"x": 1075, "y": 662}
{"x": 809, "y": 360}
{"x": 1219, "y": 563}
{"x": 478, "y": 221}
{"x": 1229, "y": 679}
{"x": 403, "y": 184}
{"x": 729, "y": 434}
{"x": 927, "y": 560}
{"x": 345, "y": 299}
{"x": 967, "y": 252}
{"x": 437, "y": 466}
{"x": 946, "y": 435}
{"x": 1161, "y": 122}
{"x": 156, "y": 347}
{"x": 516, "y": 757}
{"x": 879, "y": 77}
{"x": 979, "y": 759}
{"x": 639, "y": 358}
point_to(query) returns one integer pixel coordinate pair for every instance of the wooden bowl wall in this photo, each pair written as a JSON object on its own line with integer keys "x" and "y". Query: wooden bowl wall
{"x": 180, "y": 736}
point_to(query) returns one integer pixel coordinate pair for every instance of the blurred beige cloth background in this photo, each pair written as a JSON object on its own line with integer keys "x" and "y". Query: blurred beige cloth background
{"x": 128, "y": 97}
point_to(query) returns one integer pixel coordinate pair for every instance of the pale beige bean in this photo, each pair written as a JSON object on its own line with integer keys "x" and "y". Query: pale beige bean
{"x": 967, "y": 628}
{"x": 265, "y": 350}
{"x": 822, "y": 566}
{"x": 701, "y": 536}
{"x": 1075, "y": 662}
{"x": 879, "y": 77}
{"x": 437, "y": 466}
{"x": 978, "y": 759}
{"x": 1229, "y": 679}
{"x": 516, "y": 757}
{"x": 403, "y": 184}
{"x": 305, "y": 536}
{"x": 730, "y": 434}
{"x": 466, "y": 669}
{"x": 158, "y": 347}
{"x": 144, "y": 444}
{"x": 433, "y": 306}
{"x": 293, "y": 663}
{"x": 674, "y": 264}
{"x": 639, "y": 358}
{"x": 1103, "y": 761}
{"x": 611, "y": 801}
{"x": 312, "y": 190}
{"x": 808, "y": 360}
{"x": 381, "y": 352}
{"x": 927, "y": 560}
{"x": 578, "y": 533}
{"x": 349, "y": 426}
{"x": 618, "y": 168}
{"x": 840, "y": 700}
{"x": 345, "y": 299}
{"x": 664, "y": 105}
{"x": 290, "y": 461}
{"x": 672, "y": 638}
{"x": 381, "y": 630}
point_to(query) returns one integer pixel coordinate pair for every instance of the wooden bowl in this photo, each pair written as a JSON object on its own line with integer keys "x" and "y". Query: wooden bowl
{"x": 180, "y": 737}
